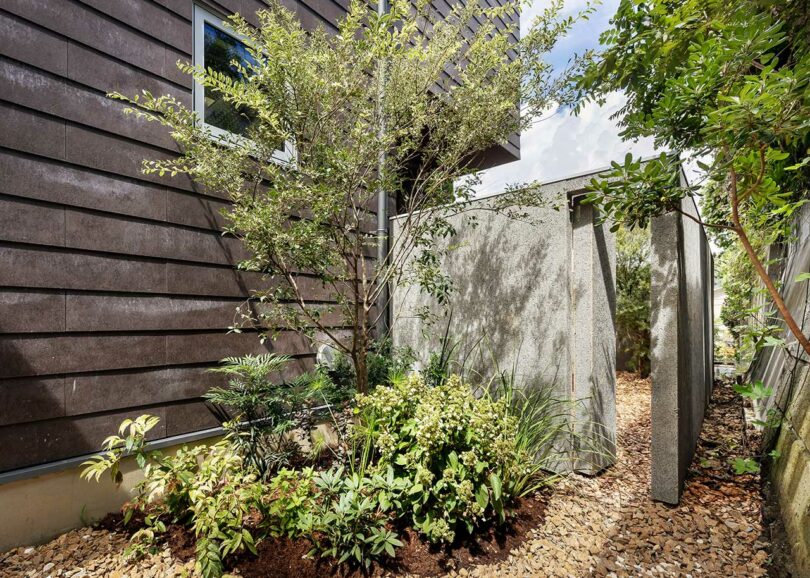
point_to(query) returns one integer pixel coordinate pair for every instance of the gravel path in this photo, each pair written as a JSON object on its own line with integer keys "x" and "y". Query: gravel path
{"x": 608, "y": 526}
{"x": 601, "y": 526}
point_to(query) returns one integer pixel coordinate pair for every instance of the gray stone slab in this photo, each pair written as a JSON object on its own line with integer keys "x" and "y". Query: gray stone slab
{"x": 681, "y": 352}
{"x": 540, "y": 299}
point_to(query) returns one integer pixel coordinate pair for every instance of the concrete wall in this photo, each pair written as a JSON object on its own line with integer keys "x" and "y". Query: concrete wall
{"x": 35, "y": 510}
{"x": 541, "y": 295}
{"x": 786, "y": 371}
{"x": 681, "y": 345}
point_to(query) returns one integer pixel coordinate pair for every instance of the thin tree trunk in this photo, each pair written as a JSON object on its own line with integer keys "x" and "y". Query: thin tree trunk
{"x": 760, "y": 268}
{"x": 361, "y": 369}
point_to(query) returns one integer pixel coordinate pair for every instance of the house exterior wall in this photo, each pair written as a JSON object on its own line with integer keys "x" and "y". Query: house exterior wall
{"x": 116, "y": 288}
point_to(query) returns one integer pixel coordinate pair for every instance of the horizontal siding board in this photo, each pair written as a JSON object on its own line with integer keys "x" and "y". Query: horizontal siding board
{"x": 31, "y": 311}
{"x": 26, "y": 131}
{"x": 56, "y": 182}
{"x": 112, "y": 154}
{"x": 48, "y": 267}
{"x": 100, "y": 392}
{"x": 110, "y": 391}
{"x": 38, "y": 47}
{"x": 66, "y": 437}
{"x": 56, "y": 354}
{"x": 150, "y": 19}
{"x": 195, "y": 210}
{"x": 207, "y": 347}
{"x": 189, "y": 417}
{"x": 44, "y": 92}
{"x": 40, "y": 398}
{"x": 98, "y": 312}
{"x": 54, "y": 311}
{"x": 93, "y": 312}
{"x": 189, "y": 279}
{"x": 62, "y": 269}
{"x": 31, "y": 222}
{"x": 98, "y": 71}
{"x": 182, "y": 7}
{"x": 130, "y": 237}
{"x": 31, "y": 399}
{"x": 82, "y": 24}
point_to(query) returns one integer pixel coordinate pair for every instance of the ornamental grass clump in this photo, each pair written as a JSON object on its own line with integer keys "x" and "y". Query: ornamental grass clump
{"x": 458, "y": 448}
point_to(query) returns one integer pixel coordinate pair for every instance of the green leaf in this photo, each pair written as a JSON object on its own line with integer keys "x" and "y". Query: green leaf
{"x": 495, "y": 484}
{"x": 801, "y": 277}
{"x": 744, "y": 466}
{"x": 771, "y": 341}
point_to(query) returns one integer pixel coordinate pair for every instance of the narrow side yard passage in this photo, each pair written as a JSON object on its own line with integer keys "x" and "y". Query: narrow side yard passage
{"x": 608, "y": 526}
{"x": 602, "y": 526}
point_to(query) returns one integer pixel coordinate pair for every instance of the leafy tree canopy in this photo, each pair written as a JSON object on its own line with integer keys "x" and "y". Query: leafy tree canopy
{"x": 403, "y": 102}
{"x": 720, "y": 80}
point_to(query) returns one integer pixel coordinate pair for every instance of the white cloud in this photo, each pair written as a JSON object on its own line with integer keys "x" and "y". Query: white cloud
{"x": 564, "y": 145}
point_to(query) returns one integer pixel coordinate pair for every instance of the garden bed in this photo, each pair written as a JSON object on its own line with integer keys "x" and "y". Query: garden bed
{"x": 604, "y": 525}
{"x": 284, "y": 557}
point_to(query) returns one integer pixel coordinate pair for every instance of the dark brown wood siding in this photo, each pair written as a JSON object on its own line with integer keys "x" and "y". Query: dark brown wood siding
{"x": 116, "y": 288}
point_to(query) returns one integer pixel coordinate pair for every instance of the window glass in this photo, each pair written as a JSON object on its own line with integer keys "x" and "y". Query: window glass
{"x": 220, "y": 50}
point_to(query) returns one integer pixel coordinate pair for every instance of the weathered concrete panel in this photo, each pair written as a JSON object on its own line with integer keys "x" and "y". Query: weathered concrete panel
{"x": 540, "y": 297}
{"x": 681, "y": 349}
{"x": 593, "y": 335}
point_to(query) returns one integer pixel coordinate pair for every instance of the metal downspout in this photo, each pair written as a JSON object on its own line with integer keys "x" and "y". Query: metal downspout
{"x": 382, "y": 197}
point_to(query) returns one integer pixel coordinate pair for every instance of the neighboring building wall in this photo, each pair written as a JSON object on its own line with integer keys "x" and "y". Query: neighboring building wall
{"x": 786, "y": 371}
{"x": 681, "y": 349}
{"x": 540, "y": 298}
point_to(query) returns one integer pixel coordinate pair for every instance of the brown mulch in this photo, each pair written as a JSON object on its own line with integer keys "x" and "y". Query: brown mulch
{"x": 585, "y": 526}
{"x": 287, "y": 559}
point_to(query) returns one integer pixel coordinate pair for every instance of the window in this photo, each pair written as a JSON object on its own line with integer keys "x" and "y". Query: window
{"x": 217, "y": 47}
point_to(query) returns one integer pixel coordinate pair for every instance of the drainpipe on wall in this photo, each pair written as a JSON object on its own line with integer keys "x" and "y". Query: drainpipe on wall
{"x": 382, "y": 197}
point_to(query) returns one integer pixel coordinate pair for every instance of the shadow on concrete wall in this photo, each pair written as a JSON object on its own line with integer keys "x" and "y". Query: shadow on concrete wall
{"x": 496, "y": 303}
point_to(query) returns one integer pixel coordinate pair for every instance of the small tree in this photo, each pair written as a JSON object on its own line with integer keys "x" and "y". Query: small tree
{"x": 728, "y": 81}
{"x": 403, "y": 102}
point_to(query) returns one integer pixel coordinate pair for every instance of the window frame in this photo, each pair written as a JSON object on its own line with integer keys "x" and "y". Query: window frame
{"x": 202, "y": 16}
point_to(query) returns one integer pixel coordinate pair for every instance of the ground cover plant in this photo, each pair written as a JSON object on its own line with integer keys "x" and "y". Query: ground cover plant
{"x": 442, "y": 460}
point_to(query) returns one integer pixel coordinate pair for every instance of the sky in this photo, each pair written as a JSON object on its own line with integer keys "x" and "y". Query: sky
{"x": 562, "y": 144}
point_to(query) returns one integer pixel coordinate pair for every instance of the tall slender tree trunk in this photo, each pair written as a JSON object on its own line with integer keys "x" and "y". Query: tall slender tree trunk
{"x": 760, "y": 268}
{"x": 361, "y": 369}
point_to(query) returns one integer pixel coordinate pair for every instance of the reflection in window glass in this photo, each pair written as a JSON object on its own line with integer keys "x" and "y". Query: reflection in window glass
{"x": 220, "y": 50}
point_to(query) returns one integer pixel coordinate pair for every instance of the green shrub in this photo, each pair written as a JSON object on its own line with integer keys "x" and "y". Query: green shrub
{"x": 459, "y": 452}
{"x": 205, "y": 487}
{"x": 351, "y": 516}
{"x": 257, "y": 411}
{"x": 345, "y": 516}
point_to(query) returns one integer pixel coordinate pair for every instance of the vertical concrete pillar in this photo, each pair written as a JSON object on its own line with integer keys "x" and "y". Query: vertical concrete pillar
{"x": 593, "y": 271}
{"x": 665, "y": 358}
{"x": 681, "y": 351}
